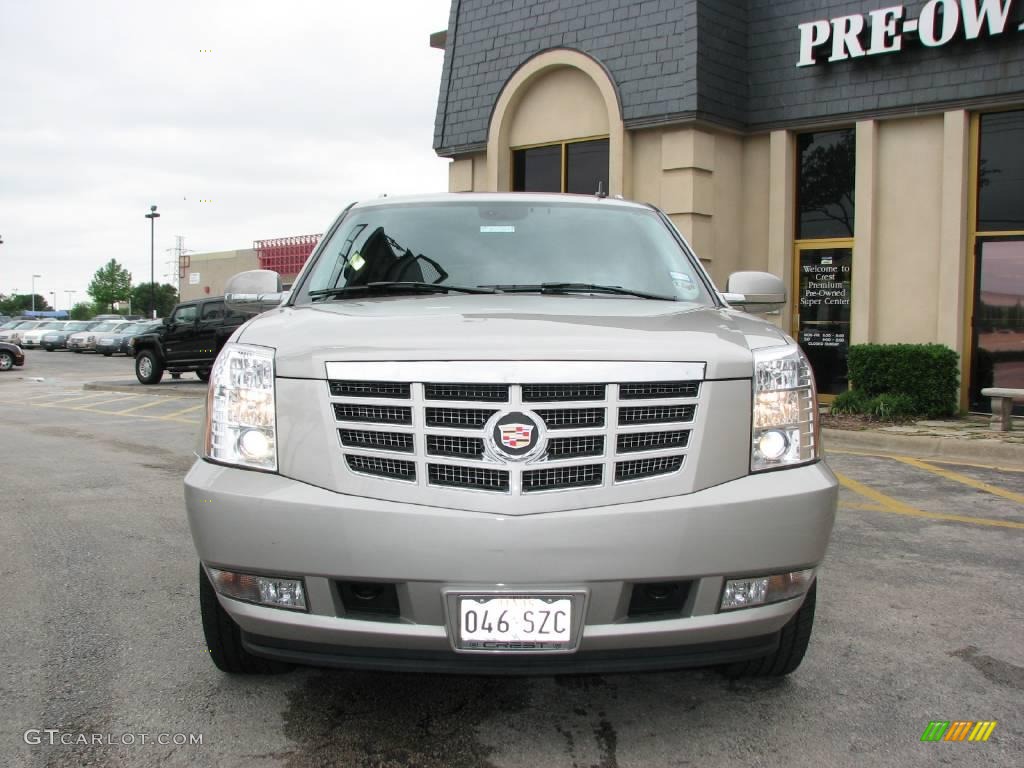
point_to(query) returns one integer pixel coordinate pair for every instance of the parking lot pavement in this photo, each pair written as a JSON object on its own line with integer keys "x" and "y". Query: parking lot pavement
{"x": 918, "y": 620}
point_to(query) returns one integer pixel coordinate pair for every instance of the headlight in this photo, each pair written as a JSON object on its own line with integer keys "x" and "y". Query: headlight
{"x": 785, "y": 418}
{"x": 241, "y": 418}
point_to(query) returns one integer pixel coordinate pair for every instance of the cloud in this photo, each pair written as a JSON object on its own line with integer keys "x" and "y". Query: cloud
{"x": 279, "y": 113}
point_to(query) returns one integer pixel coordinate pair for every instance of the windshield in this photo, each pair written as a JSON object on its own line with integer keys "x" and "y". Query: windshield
{"x": 133, "y": 328}
{"x": 104, "y": 327}
{"x": 508, "y": 244}
{"x": 77, "y": 326}
{"x": 51, "y": 326}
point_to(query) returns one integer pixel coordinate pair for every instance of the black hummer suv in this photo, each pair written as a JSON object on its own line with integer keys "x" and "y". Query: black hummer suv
{"x": 189, "y": 340}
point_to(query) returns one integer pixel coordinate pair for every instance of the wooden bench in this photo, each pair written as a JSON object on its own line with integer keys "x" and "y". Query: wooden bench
{"x": 1002, "y": 405}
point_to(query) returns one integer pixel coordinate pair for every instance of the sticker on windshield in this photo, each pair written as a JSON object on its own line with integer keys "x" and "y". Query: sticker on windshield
{"x": 684, "y": 283}
{"x": 497, "y": 228}
{"x": 357, "y": 261}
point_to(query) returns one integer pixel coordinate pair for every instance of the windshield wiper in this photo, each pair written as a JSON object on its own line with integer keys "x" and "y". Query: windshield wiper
{"x": 562, "y": 288}
{"x": 395, "y": 286}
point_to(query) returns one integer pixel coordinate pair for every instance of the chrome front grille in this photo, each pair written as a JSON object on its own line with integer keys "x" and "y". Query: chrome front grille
{"x": 593, "y": 435}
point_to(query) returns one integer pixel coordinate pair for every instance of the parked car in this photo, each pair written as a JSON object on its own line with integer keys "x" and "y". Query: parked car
{"x": 34, "y": 338}
{"x": 52, "y": 340}
{"x": 10, "y": 356}
{"x": 519, "y": 434}
{"x": 14, "y": 333}
{"x": 85, "y": 341}
{"x": 188, "y": 340}
{"x": 117, "y": 342}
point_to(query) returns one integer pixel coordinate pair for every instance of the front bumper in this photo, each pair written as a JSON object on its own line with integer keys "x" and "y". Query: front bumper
{"x": 262, "y": 523}
{"x": 109, "y": 348}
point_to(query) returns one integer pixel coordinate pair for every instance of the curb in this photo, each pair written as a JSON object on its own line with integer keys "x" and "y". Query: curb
{"x": 968, "y": 450}
{"x": 172, "y": 389}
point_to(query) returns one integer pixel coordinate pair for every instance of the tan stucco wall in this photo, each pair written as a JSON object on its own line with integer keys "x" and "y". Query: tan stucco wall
{"x": 908, "y": 226}
{"x": 214, "y": 269}
{"x": 563, "y": 103}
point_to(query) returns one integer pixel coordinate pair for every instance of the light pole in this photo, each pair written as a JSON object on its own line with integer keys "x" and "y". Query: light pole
{"x": 152, "y": 216}
{"x": 34, "y": 291}
{"x": 53, "y": 295}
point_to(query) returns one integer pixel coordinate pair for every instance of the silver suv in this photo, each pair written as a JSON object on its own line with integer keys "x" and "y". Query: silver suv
{"x": 509, "y": 434}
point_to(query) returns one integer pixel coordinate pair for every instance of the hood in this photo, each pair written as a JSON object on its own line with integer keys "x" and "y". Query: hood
{"x": 509, "y": 327}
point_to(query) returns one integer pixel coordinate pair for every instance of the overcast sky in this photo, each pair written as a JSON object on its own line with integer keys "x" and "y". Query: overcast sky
{"x": 109, "y": 106}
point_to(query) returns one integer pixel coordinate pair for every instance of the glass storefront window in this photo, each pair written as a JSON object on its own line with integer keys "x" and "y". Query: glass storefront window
{"x": 997, "y": 358}
{"x": 578, "y": 166}
{"x": 1001, "y": 172}
{"x": 825, "y": 184}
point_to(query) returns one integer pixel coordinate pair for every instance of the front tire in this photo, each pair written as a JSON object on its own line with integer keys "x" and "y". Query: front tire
{"x": 6, "y": 360}
{"x": 224, "y": 638}
{"x": 203, "y": 375}
{"x": 148, "y": 369}
{"x": 795, "y": 636}
{"x": 107, "y": 354}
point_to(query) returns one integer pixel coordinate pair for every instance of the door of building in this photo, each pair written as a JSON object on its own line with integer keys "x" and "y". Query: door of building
{"x": 823, "y": 317}
{"x": 997, "y": 324}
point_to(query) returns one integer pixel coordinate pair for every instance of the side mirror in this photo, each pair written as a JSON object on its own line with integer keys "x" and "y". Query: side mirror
{"x": 253, "y": 292}
{"x": 755, "y": 292}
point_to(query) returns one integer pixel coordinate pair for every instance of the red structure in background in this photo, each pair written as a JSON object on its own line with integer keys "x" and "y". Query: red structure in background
{"x": 285, "y": 255}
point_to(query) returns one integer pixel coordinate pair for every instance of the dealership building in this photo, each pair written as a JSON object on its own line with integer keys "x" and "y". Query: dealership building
{"x": 871, "y": 154}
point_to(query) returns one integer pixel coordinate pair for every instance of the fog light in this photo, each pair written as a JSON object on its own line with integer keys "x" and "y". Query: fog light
{"x": 265, "y": 590}
{"x": 761, "y": 590}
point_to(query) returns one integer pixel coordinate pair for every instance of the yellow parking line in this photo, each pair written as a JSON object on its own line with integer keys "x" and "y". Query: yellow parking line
{"x": 104, "y": 402}
{"x": 929, "y": 460}
{"x": 963, "y": 479}
{"x": 867, "y": 507}
{"x": 897, "y": 507}
{"x": 57, "y": 403}
{"x": 169, "y": 416}
{"x": 159, "y": 401}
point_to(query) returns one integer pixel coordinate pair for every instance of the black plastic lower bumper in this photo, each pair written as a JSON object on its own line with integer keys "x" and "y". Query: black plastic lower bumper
{"x": 449, "y": 662}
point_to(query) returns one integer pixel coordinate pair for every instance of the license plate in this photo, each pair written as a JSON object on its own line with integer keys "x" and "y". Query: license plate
{"x": 535, "y": 623}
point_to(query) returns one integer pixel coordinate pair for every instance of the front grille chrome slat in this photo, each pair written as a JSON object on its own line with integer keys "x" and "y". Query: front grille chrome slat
{"x": 575, "y": 447}
{"x": 373, "y": 414}
{"x": 560, "y": 478}
{"x": 393, "y": 469}
{"x": 455, "y": 446}
{"x": 658, "y": 390}
{"x": 483, "y": 393}
{"x": 461, "y": 418}
{"x": 632, "y": 442}
{"x": 572, "y": 418}
{"x": 346, "y": 388}
{"x": 639, "y": 469}
{"x": 656, "y": 414}
{"x": 374, "y": 440}
{"x": 553, "y": 393}
{"x": 476, "y": 478}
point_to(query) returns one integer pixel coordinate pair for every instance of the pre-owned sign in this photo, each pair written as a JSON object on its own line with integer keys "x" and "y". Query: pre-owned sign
{"x": 884, "y": 30}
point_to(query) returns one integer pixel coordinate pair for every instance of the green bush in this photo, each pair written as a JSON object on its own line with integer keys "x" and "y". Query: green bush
{"x": 905, "y": 380}
{"x": 851, "y": 401}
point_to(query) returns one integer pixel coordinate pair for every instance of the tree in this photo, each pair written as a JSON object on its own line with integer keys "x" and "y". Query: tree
{"x": 142, "y": 302}
{"x": 111, "y": 283}
{"x": 82, "y": 311}
{"x": 16, "y": 304}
